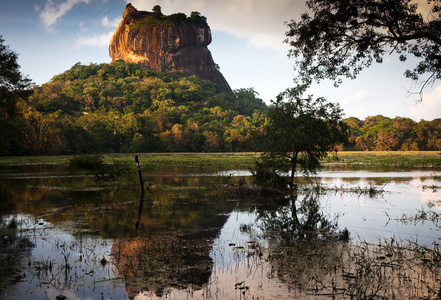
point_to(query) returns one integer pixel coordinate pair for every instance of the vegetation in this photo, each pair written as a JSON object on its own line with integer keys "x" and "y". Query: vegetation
{"x": 337, "y": 39}
{"x": 94, "y": 164}
{"x": 13, "y": 85}
{"x": 379, "y": 133}
{"x": 156, "y": 18}
{"x": 124, "y": 107}
{"x": 299, "y": 133}
{"x": 244, "y": 160}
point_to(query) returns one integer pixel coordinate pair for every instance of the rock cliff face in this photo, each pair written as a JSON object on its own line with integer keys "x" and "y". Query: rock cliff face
{"x": 166, "y": 43}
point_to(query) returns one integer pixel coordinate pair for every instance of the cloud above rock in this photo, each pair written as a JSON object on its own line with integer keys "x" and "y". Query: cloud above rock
{"x": 54, "y": 10}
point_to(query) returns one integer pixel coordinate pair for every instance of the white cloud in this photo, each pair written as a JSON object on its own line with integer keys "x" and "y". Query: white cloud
{"x": 53, "y": 11}
{"x": 101, "y": 40}
{"x": 110, "y": 23}
{"x": 260, "y": 22}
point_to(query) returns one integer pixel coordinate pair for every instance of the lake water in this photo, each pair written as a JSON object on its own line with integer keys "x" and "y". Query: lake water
{"x": 187, "y": 239}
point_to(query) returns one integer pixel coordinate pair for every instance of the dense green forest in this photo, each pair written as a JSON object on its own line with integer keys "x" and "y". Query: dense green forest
{"x": 123, "y": 107}
{"x": 379, "y": 133}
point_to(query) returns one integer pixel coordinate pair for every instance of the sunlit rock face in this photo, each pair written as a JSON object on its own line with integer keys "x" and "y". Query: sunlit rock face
{"x": 163, "y": 44}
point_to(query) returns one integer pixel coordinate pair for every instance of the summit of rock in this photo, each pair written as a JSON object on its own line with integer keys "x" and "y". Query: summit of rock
{"x": 166, "y": 43}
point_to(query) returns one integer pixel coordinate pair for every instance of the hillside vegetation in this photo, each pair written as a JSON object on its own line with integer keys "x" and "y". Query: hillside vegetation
{"x": 123, "y": 107}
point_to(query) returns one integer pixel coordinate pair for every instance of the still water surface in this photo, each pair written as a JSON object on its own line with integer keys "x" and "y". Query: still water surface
{"x": 186, "y": 239}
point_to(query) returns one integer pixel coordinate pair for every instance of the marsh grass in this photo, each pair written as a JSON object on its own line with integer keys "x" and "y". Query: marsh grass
{"x": 245, "y": 160}
{"x": 332, "y": 269}
{"x": 392, "y": 269}
{"x": 421, "y": 215}
{"x": 371, "y": 190}
{"x": 388, "y": 159}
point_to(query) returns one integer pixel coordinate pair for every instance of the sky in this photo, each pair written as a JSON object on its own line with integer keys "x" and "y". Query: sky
{"x": 50, "y": 36}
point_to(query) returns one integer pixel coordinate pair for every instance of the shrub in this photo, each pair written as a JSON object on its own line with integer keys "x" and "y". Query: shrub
{"x": 94, "y": 164}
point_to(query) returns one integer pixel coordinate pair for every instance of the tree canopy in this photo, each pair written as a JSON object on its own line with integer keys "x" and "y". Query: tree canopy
{"x": 13, "y": 85}
{"x": 301, "y": 131}
{"x": 338, "y": 38}
{"x": 124, "y": 107}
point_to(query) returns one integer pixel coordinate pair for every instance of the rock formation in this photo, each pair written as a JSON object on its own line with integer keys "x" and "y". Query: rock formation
{"x": 166, "y": 43}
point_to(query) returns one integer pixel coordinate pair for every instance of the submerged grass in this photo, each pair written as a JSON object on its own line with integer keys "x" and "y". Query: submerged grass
{"x": 393, "y": 269}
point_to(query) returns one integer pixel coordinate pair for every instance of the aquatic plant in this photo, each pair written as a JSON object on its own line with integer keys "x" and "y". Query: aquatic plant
{"x": 392, "y": 269}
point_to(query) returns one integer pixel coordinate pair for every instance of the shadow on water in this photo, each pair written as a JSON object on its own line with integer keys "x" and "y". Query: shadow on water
{"x": 186, "y": 239}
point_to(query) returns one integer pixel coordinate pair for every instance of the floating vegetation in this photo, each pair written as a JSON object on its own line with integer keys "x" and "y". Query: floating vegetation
{"x": 370, "y": 190}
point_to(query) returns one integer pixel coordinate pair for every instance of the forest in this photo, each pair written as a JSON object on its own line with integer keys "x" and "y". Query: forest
{"x": 122, "y": 107}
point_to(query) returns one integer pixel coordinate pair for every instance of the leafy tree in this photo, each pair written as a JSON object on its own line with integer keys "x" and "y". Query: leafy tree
{"x": 13, "y": 86}
{"x": 196, "y": 17}
{"x": 301, "y": 131}
{"x": 338, "y": 38}
{"x": 157, "y": 11}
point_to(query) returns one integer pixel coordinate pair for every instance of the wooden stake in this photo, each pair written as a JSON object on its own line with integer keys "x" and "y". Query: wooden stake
{"x": 138, "y": 166}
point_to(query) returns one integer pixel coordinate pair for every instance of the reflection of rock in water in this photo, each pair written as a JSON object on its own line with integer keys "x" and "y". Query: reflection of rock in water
{"x": 175, "y": 259}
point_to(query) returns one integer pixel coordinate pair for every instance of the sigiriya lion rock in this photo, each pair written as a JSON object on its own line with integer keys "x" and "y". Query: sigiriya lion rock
{"x": 166, "y": 43}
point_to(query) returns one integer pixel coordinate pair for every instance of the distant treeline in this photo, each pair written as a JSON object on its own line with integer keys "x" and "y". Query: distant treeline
{"x": 381, "y": 133}
{"x": 123, "y": 107}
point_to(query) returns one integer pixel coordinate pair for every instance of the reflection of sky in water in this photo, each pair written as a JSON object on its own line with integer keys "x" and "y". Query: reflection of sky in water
{"x": 378, "y": 217}
{"x": 86, "y": 278}
{"x": 406, "y": 192}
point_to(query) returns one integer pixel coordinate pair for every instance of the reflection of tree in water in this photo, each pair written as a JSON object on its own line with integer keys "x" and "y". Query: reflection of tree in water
{"x": 175, "y": 259}
{"x": 306, "y": 247}
{"x": 293, "y": 220}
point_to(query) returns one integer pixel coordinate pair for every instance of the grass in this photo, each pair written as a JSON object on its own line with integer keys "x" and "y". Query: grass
{"x": 377, "y": 159}
{"x": 148, "y": 160}
{"x": 384, "y": 159}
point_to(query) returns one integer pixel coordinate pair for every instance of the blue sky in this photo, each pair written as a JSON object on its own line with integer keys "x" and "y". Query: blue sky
{"x": 50, "y": 36}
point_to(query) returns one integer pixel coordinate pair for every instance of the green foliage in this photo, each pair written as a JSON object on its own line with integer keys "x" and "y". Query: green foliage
{"x": 124, "y": 107}
{"x": 301, "y": 131}
{"x": 379, "y": 133}
{"x": 337, "y": 39}
{"x": 268, "y": 172}
{"x": 154, "y": 21}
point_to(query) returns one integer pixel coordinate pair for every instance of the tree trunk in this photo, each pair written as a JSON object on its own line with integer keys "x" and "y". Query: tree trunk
{"x": 293, "y": 168}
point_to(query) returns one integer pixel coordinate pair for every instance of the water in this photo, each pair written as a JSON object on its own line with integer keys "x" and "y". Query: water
{"x": 188, "y": 240}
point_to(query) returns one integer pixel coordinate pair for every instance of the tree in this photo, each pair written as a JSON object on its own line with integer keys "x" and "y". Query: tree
{"x": 157, "y": 11}
{"x": 341, "y": 37}
{"x": 13, "y": 86}
{"x": 300, "y": 132}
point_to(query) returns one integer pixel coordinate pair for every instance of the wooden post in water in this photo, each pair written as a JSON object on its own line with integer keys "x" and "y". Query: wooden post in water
{"x": 138, "y": 166}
